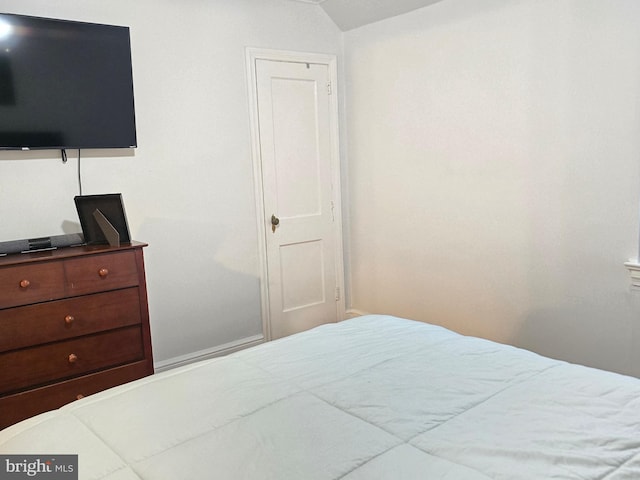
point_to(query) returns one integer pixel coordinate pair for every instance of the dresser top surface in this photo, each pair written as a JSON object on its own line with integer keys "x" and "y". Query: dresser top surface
{"x": 66, "y": 252}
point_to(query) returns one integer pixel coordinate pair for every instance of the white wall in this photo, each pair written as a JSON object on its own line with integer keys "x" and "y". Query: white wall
{"x": 188, "y": 187}
{"x": 494, "y": 172}
{"x": 493, "y": 182}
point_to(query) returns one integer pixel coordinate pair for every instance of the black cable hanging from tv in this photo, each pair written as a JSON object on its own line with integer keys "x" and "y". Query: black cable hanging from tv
{"x": 79, "y": 176}
{"x": 65, "y": 159}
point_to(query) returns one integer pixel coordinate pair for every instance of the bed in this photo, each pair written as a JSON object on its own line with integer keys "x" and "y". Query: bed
{"x": 375, "y": 397}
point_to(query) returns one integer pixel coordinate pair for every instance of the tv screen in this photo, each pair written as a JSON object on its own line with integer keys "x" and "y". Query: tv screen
{"x": 65, "y": 84}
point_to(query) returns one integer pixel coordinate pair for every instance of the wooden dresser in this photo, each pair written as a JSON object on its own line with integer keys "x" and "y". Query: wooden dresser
{"x": 73, "y": 321}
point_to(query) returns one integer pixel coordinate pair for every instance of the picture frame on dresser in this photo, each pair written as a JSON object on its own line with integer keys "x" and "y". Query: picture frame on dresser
{"x": 103, "y": 219}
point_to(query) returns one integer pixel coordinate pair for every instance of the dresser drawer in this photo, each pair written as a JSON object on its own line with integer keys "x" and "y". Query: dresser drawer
{"x": 98, "y": 273}
{"x": 19, "y": 406}
{"x": 63, "y": 319}
{"x": 39, "y": 365}
{"x": 25, "y": 284}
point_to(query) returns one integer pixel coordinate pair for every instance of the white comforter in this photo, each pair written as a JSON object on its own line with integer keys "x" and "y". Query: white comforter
{"x": 376, "y": 397}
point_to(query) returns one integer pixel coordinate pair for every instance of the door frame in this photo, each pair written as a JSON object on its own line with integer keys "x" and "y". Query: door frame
{"x": 253, "y": 54}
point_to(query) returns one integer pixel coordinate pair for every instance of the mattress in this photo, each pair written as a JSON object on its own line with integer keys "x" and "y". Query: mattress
{"x": 375, "y": 397}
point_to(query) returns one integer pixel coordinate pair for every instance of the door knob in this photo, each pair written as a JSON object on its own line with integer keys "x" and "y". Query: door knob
{"x": 274, "y": 223}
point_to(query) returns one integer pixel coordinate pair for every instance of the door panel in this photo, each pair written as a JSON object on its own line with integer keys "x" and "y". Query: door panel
{"x": 301, "y": 266}
{"x": 296, "y": 153}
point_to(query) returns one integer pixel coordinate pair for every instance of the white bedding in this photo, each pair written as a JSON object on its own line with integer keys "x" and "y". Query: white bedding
{"x": 375, "y": 397}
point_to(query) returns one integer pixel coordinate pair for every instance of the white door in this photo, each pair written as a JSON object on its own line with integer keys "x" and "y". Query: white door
{"x": 300, "y": 192}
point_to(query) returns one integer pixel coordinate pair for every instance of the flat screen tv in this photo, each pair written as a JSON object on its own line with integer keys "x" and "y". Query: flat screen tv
{"x": 65, "y": 84}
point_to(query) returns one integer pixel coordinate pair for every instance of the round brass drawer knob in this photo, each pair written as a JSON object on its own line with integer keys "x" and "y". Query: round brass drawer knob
{"x": 103, "y": 272}
{"x": 69, "y": 319}
{"x": 73, "y": 358}
{"x": 24, "y": 283}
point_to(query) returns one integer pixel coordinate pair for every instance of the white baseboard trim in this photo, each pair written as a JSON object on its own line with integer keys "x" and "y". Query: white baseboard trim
{"x": 217, "y": 351}
{"x": 354, "y": 312}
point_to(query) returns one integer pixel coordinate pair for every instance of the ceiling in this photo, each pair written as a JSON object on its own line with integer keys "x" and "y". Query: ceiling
{"x": 350, "y": 14}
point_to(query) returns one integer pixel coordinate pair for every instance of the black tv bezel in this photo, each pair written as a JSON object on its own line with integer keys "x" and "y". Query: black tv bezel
{"x": 92, "y": 146}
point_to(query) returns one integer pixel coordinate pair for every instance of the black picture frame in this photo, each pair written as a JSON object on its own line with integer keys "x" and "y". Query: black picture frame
{"x": 112, "y": 207}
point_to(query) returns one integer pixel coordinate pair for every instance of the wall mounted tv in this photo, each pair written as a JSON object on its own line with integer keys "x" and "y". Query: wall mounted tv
{"x": 65, "y": 84}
